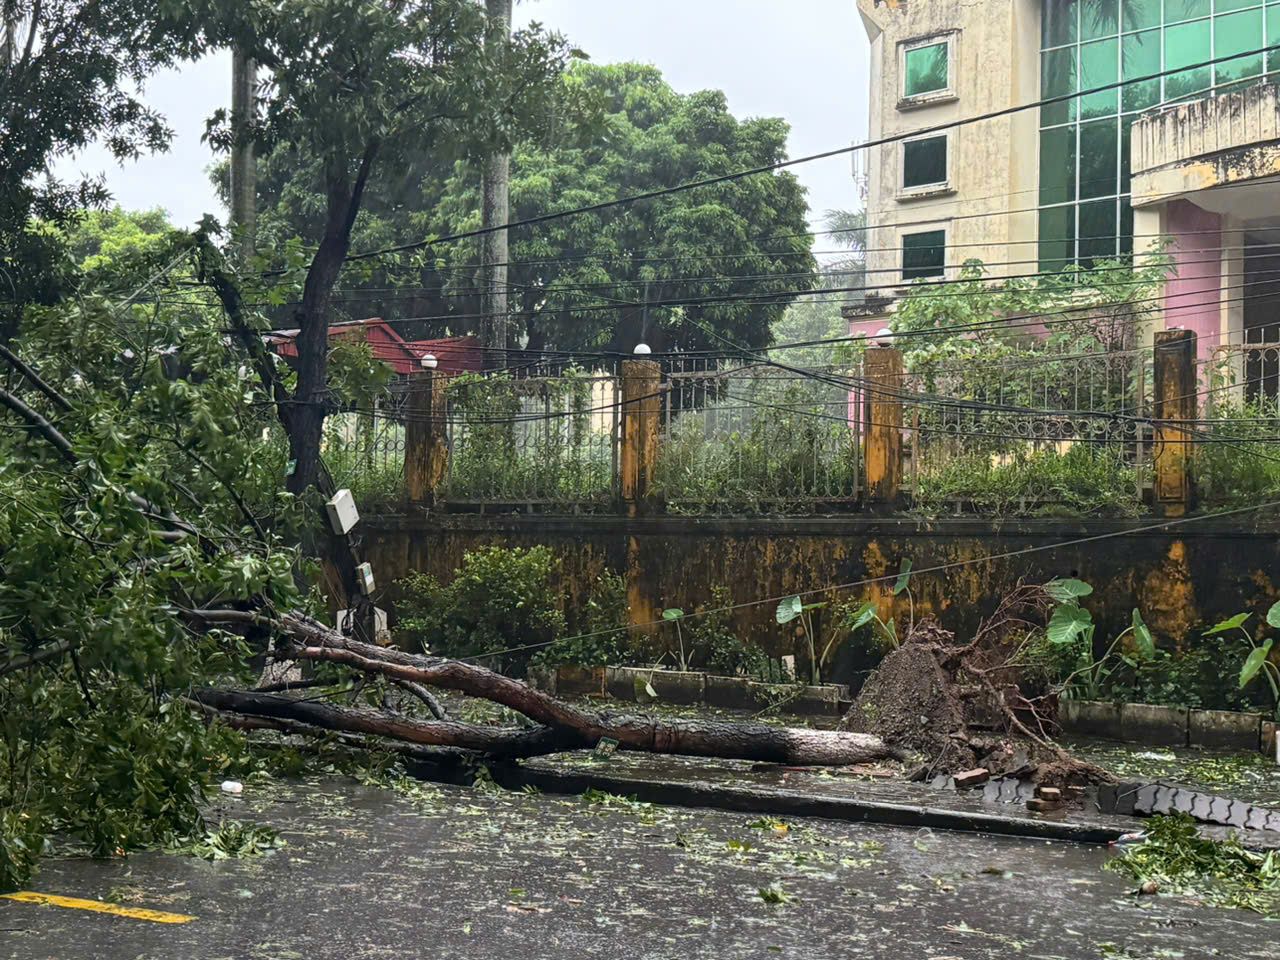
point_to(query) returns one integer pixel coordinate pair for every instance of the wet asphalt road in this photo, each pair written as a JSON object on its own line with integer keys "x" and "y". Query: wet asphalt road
{"x": 448, "y": 872}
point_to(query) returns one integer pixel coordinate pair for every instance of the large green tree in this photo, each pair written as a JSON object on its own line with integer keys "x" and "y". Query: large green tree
{"x": 363, "y": 91}
{"x": 71, "y": 77}
{"x": 581, "y": 282}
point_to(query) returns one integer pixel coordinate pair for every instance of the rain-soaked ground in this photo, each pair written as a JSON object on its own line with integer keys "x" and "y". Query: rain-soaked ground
{"x": 458, "y": 872}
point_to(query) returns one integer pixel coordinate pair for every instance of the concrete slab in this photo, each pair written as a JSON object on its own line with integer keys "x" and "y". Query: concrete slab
{"x": 1162, "y": 726}
{"x": 1222, "y": 728}
{"x": 1093, "y": 718}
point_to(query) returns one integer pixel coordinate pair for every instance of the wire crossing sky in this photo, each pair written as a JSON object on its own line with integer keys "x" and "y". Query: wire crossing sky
{"x": 816, "y": 78}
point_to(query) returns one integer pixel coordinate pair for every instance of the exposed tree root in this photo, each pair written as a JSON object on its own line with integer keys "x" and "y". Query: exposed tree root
{"x": 958, "y": 706}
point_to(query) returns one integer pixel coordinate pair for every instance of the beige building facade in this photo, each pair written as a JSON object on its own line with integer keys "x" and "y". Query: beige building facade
{"x": 1176, "y": 140}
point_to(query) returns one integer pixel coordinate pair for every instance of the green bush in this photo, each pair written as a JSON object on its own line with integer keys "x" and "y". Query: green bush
{"x": 714, "y": 647}
{"x": 787, "y": 454}
{"x": 1083, "y": 481}
{"x": 1245, "y": 472}
{"x": 603, "y": 640}
{"x": 499, "y": 599}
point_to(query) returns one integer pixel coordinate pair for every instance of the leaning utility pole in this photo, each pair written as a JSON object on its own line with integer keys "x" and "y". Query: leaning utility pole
{"x": 495, "y": 211}
{"x": 244, "y": 173}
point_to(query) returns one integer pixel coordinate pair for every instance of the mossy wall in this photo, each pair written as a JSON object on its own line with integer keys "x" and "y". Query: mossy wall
{"x": 1181, "y": 577}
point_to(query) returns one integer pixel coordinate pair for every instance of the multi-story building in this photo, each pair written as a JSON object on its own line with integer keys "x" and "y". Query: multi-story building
{"x": 1190, "y": 154}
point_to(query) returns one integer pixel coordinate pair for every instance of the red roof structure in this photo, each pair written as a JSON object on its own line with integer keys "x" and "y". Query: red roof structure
{"x": 453, "y": 354}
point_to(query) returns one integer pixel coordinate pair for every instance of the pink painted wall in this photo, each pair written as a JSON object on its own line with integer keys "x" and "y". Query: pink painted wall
{"x": 1194, "y": 292}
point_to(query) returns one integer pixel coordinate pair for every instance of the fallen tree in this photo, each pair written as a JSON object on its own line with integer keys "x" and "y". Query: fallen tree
{"x": 561, "y": 725}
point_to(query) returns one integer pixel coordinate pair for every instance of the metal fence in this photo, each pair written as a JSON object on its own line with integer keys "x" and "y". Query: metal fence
{"x": 1032, "y": 433}
{"x": 756, "y": 437}
{"x": 1035, "y": 433}
{"x": 541, "y": 436}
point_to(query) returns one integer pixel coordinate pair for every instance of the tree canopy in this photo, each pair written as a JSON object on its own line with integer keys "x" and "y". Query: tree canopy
{"x": 579, "y": 283}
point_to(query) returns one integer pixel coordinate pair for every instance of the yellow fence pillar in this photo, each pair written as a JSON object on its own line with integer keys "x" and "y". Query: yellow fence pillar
{"x": 426, "y": 446}
{"x": 1175, "y": 405}
{"x": 641, "y": 411}
{"x": 882, "y": 452}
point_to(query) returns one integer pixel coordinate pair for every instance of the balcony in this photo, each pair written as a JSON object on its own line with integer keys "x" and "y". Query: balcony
{"x": 1191, "y": 150}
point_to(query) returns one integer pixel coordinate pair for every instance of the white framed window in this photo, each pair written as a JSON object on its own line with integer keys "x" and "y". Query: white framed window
{"x": 927, "y": 68}
{"x": 924, "y": 166}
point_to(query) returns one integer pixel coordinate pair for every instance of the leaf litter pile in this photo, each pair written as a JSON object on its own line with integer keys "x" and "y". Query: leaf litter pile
{"x": 1174, "y": 859}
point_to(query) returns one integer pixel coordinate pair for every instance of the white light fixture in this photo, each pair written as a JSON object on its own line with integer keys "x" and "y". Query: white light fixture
{"x": 884, "y": 337}
{"x": 642, "y": 350}
{"x": 429, "y": 361}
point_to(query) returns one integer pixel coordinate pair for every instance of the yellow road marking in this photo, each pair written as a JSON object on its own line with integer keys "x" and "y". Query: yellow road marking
{"x": 97, "y": 906}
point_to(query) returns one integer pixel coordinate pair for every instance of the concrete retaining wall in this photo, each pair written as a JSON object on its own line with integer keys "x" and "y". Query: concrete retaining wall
{"x": 1167, "y": 726}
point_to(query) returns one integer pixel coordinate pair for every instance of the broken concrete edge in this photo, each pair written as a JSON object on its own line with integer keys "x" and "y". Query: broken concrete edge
{"x": 685, "y": 687}
{"x": 1167, "y": 726}
{"x": 765, "y": 800}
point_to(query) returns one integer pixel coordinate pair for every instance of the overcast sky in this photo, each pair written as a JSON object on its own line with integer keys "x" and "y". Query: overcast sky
{"x": 803, "y": 60}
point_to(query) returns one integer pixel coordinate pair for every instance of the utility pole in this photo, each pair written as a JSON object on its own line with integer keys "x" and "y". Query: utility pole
{"x": 244, "y": 172}
{"x": 9, "y": 42}
{"x": 495, "y": 211}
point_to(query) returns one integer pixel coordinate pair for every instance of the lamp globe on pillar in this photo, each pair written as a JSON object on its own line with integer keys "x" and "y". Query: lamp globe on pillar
{"x": 642, "y": 350}
{"x": 429, "y": 361}
{"x": 884, "y": 337}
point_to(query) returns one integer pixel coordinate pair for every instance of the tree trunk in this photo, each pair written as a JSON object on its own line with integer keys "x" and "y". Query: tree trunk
{"x": 569, "y": 726}
{"x": 506, "y": 742}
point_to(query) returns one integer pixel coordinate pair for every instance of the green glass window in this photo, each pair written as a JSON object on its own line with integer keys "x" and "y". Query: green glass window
{"x": 1176, "y": 11}
{"x": 1126, "y": 228}
{"x": 1057, "y": 237}
{"x": 924, "y": 162}
{"x": 1273, "y": 38}
{"x": 1185, "y": 44}
{"x": 926, "y": 69}
{"x": 1058, "y": 77}
{"x": 1097, "y": 230}
{"x": 1139, "y": 14}
{"x": 1140, "y": 55}
{"x": 924, "y": 254}
{"x": 1099, "y": 66}
{"x": 1058, "y": 23}
{"x": 1084, "y": 152}
{"x": 1237, "y": 33}
{"x": 1099, "y": 158}
{"x": 1058, "y": 165}
{"x": 1126, "y": 138}
{"x": 1099, "y": 18}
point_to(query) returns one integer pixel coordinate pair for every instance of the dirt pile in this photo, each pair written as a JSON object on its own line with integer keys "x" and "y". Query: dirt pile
{"x": 959, "y": 705}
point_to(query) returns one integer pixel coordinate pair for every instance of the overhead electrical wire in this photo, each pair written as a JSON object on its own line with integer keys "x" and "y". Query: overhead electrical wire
{"x": 784, "y": 164}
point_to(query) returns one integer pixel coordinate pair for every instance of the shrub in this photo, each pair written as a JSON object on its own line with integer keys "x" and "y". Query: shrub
{"x": 715, "y": 647}
{"x": 603, "y": 639}
{"x": 1083, "y": 481}
{"x": 1243, "y": 472}
{"x": 499, "y": 599}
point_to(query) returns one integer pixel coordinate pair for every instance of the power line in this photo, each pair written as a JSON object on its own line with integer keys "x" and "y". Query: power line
{"x": 783, "y": 164}
{"x": 889, "y": 577}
